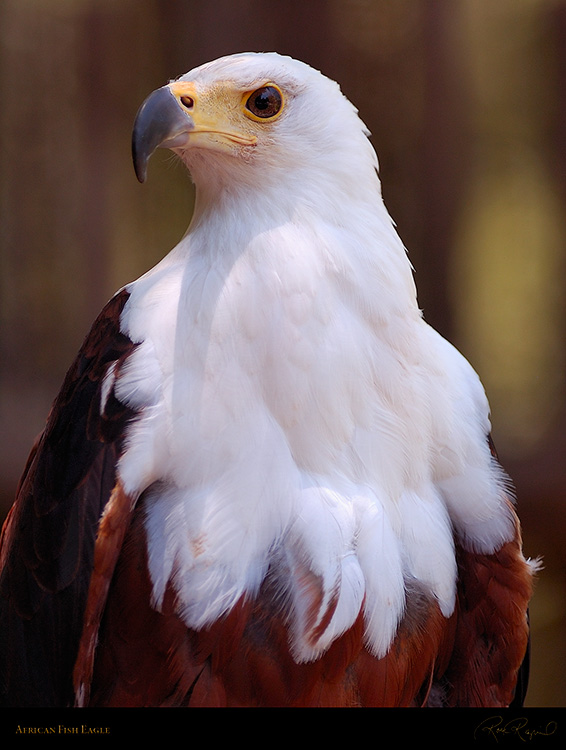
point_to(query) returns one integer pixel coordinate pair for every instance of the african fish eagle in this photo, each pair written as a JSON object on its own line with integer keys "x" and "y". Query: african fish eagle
{"x": 266, "y": 481}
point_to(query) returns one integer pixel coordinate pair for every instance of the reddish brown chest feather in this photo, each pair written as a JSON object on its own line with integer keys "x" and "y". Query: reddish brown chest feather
{"x": 150, "y": 658}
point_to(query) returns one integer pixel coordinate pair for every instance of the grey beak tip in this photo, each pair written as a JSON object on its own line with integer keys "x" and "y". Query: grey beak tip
{"x": 140, "y": 162}
{"x": 158, "y": 121}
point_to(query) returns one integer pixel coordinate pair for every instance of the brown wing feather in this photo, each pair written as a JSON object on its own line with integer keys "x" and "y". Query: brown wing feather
{"x": 490, "y": 662}
{"x": 48, "y": 538}
{"x": 491, "y": 643}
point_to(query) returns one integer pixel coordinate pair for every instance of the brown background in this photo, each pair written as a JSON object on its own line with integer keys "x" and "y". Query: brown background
{"x": 466, "y": 100}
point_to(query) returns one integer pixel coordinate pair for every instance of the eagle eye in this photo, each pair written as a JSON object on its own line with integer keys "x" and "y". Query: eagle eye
{"x": 265, "y": 102}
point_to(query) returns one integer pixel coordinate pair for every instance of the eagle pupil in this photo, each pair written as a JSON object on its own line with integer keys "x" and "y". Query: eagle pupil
{"x": 262, "y": 101}
{"x": 265, "y": 102}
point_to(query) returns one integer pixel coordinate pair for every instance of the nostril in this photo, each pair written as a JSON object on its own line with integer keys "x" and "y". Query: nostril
{"x": 187, "y": 102}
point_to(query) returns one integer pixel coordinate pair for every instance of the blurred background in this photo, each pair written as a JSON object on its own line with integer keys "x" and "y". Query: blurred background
{"x": 466, "y": 102}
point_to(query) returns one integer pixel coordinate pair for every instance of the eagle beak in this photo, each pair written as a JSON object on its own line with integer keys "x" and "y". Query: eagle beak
{"x": 160, "y": 122}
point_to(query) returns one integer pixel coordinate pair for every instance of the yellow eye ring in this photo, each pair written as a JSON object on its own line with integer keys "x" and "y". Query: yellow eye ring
{"x": 265, "y": 103}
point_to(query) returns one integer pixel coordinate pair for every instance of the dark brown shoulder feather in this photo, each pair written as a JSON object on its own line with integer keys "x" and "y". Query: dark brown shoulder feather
{"x": 47, "y": 543}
